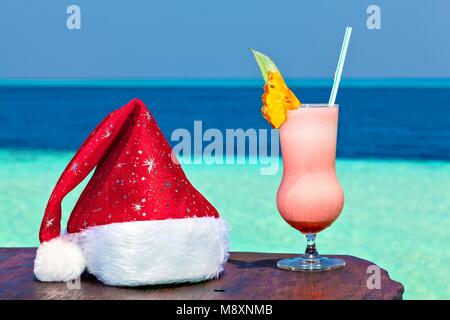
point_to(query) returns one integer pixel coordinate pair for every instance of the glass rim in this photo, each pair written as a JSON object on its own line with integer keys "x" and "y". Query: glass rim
{"x": 318, "y": 105}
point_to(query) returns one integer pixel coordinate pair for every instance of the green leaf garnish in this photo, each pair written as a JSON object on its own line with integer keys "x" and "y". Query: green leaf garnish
{"x": 265, "y": 63}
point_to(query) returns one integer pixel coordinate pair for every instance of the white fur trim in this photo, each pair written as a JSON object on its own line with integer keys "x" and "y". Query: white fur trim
{"x": 155, "y": 252}
{"x": 58, "y": 260}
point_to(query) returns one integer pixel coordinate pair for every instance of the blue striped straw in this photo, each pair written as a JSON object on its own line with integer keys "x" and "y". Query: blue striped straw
{"x": 340, "y": 66}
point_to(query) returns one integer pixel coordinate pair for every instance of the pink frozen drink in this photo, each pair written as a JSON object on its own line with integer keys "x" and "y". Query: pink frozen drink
{"x": 310, "y": 197}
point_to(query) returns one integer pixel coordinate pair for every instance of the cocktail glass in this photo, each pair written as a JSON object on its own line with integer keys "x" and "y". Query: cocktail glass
{"x": 310, "y": 197}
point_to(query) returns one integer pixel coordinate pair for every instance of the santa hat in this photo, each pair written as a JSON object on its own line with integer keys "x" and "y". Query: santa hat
{"x": 139, "y": 221}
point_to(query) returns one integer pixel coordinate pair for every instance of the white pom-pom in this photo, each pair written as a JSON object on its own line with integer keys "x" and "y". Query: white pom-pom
{"x": 59, "y": 260}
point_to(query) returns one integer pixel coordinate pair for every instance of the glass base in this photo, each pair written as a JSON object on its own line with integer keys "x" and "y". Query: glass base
{"x": 315, "y": 264}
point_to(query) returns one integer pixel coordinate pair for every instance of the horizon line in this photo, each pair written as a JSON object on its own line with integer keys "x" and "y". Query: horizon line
{"x": 374, "y": 82}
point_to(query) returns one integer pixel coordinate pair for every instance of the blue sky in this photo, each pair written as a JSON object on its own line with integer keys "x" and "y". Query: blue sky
{"x": 209, "y": 39}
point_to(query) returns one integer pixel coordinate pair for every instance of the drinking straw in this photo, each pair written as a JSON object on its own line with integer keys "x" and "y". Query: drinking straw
{"x": 340, "y": 66}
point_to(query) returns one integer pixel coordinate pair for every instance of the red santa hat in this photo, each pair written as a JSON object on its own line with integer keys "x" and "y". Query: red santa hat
{"x": 139, "y": 221}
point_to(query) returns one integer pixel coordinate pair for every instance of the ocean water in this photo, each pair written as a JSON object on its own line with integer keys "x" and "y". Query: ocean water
{"x": 393, "y": 163}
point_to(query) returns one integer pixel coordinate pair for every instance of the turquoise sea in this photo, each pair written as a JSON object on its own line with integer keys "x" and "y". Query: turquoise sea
{"x": 393, "y": 163}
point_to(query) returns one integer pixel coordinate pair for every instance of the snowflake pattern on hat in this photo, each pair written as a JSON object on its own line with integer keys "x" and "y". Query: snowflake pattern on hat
{"x": 136, "y": 177}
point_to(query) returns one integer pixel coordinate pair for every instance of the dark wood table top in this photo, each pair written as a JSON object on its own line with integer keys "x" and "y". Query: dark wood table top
{"x": 247, "y": 276}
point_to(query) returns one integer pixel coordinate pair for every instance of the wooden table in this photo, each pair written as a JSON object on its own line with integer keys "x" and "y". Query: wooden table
{"x": 247, "y": 276}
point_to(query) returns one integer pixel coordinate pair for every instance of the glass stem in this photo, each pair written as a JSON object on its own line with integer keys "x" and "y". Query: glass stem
{"x": 311, "y": 251}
